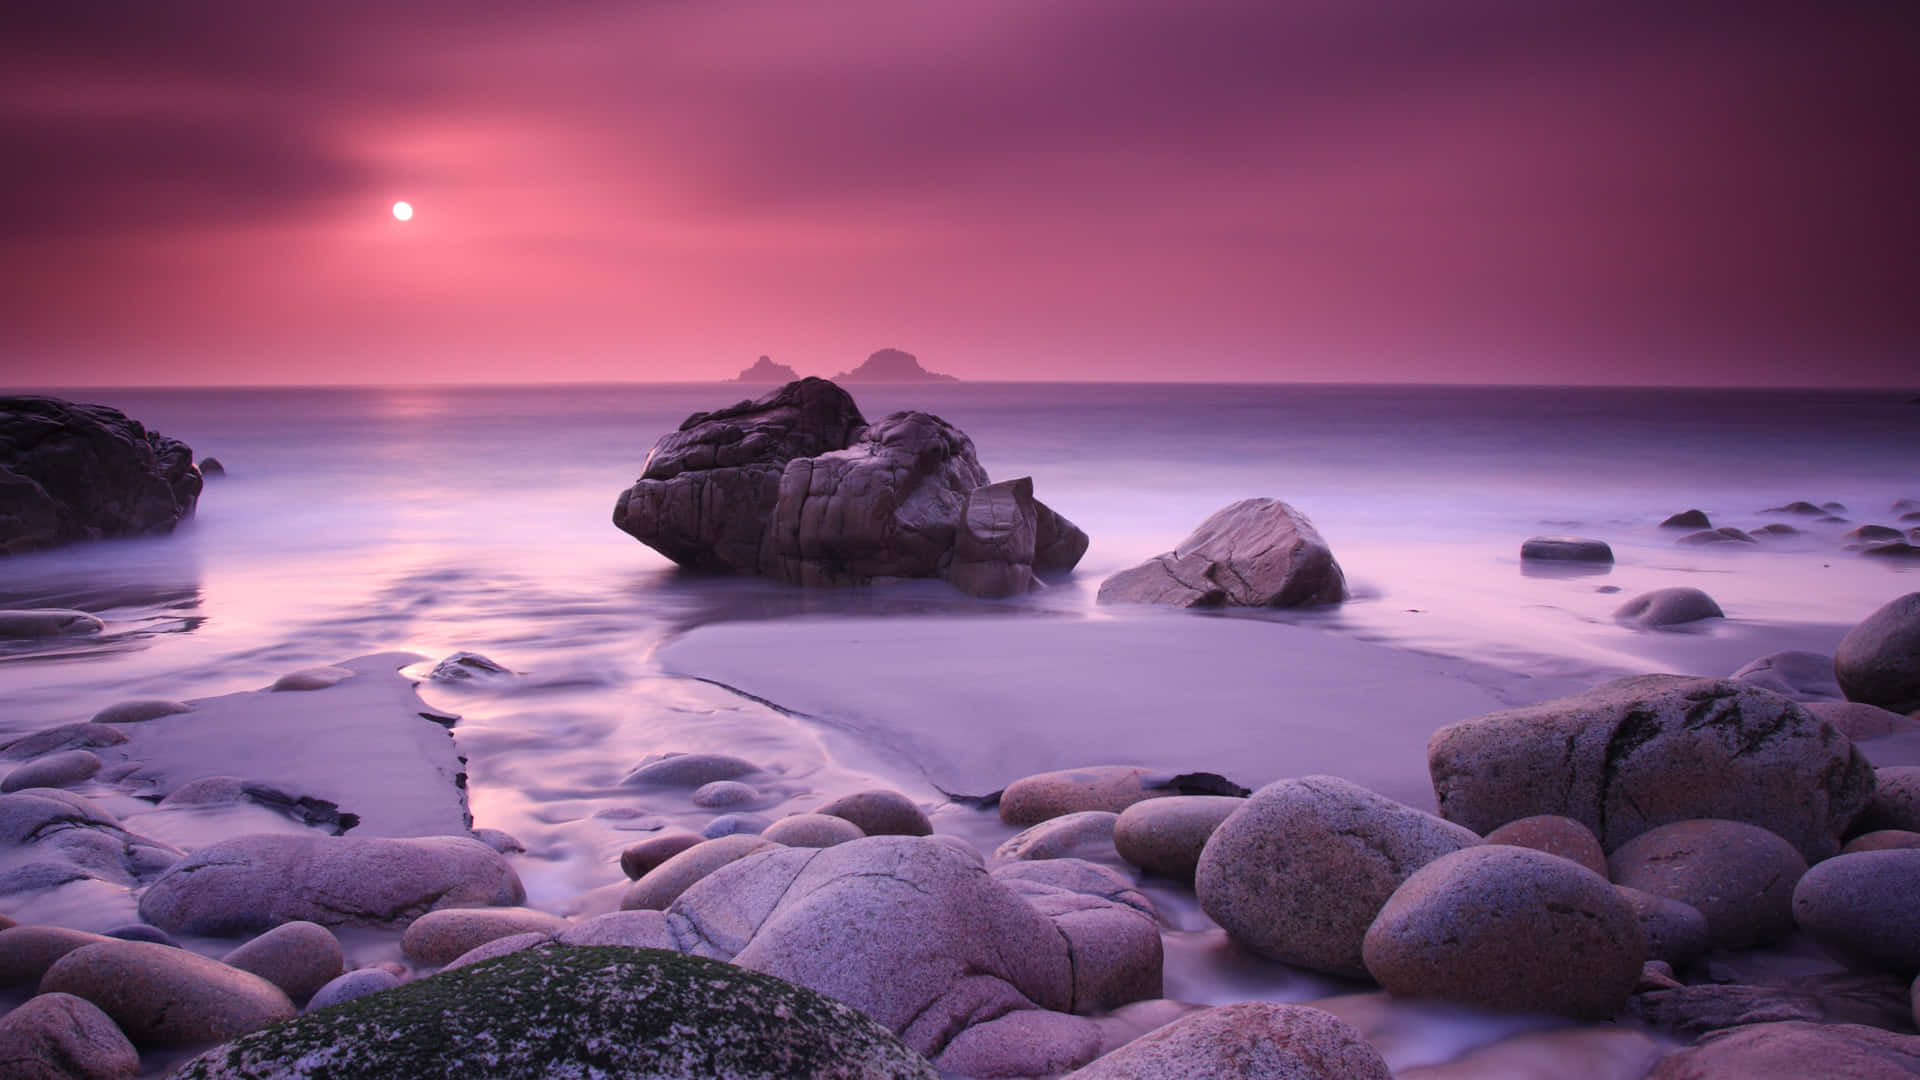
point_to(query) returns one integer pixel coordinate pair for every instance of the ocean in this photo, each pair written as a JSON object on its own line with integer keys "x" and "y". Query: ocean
{"x": 437, "y": 519}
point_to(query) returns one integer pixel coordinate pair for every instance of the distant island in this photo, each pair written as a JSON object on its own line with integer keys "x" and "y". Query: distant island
{"x": 892, "y": 366}
{"x": 764, "y": 370}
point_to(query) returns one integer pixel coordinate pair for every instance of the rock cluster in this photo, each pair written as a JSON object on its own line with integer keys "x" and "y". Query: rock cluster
{"x": 797, "y": 486}
{"x": 85, "y": 472}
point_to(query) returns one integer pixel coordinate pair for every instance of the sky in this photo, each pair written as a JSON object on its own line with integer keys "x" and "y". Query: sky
{"x": 1579, "y": 191}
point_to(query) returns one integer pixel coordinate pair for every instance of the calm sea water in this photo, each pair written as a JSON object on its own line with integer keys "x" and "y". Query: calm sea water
{"x": 355, "y": 521}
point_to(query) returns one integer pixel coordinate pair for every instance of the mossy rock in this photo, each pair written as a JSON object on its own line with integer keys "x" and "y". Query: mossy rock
{"x": 560, "y": 1012}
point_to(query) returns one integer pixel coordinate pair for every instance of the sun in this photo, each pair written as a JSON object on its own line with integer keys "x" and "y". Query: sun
{"x": 402, "y": 211}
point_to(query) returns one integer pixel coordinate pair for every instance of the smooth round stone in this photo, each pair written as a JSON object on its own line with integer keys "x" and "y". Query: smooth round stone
{"x": 1567, "y": 549}
{"x": 1688, "y": 519}
{"x": 313, "y": 678}
{"x": 1867, "y": 534}
{"x": 47, "y": 622}
{"x": 465, "y": 666}
{"x": 26, "y": 952}
{"x": 169, "y": 997}
{"x": 1796, "y": 673}
{"x": 1031, "y": 800}
{"x": 1858, "y": 721}
{"x": 880, "y": 813}
{"x": 497, "y": 948}
{"x": 64, "y": 737}
{"x": 721, "y": 794}
{"x": 689, "y": 770}
{"x": 1676, "y": 933}
{"x": 1251, "y": 1040}
{"x": 139, "y": 711}
{"x": 1740, "y": 876}
{"x": 1554, "y": 835}
{"x": 1795, "y": 1050}
{"x": 297, "y": 957}
{"x": 1087, "y": 834}
{"x": 53, "y": 771}
{"x": 663, "y": 884}
{"x": 1025, "y": 1042}
{"x": 1669, "y": 607}
{"x": 211, "y": 466}
{"x": 1726, "y": 534}
{"x": 1299, "y": 872}
{"x": 1509, "y": 928}
{"x": 1883, "y": 840}
{"x": 735, "y": 825}
{"x": 439, "y": 936}
{"x": 639, "y": 858}
{"x": 1863, "y": 906}
{"x": 644, "y": 929}
{"x": 143, "y": 932}
{"x": 1164, "y": 837}
{"x": 1896, "y": 800}
{"x": 1878, "y": 662}
{"x": 62, "y": 1037}
{"x": 503, "y": 842}
{"x": 812, "y": 830}
{"x": 353, "y": 984}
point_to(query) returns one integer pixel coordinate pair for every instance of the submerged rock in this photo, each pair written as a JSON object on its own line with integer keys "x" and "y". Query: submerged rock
{"x": 73, "y": 472}
{"x": 1795, "y": 673}
{"x": 1688, "y": 519}
{"x": 1669, "y": 607}
{"x": 1254, "y": 553}
{"x": 798, "y": 487}
{"x": 47, "y": 622}
{"x": 1637, "y": 753}
{"x": 558, "y": 1011}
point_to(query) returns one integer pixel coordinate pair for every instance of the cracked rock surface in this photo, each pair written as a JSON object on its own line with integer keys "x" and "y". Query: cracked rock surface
{"x": 1254, "y": 553}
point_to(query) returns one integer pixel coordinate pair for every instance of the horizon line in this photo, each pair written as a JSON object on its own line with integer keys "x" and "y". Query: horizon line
{"x": 591, "y": 383}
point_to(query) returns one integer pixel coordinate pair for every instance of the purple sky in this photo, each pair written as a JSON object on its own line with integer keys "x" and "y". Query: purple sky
{"x": 1346, "y": 190}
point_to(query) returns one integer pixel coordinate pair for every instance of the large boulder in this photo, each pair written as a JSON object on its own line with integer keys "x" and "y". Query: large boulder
{"x": 1254, "y": 553}
{"x": 906, "y": 929}
{"x": 591, "y": 1011}
{"x": 1301, "y": 870}
{"x": 1878, "y": 662}
{"x": 708, "y": 490}
{"x": 1251, "y": 1040}
{"x": 1509, "y": 928}
{"x": 250, "y": 883}
{"x": 1641, "y": 752}
{"x": 797, "y": 486}
{"x": 84, "y": 472}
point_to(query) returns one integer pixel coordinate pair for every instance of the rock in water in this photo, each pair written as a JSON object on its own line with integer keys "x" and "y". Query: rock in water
{"x": 1254, "y": 553}
{"x": 892, "y": 366}
{"x": 1567, "y": 549}
{"x": 1878, "y": 662}
{"x": 1641, "y": 752}
{"x": 1669, "y": 607}
{"x": 250, "y": 883}
{"x": 589, "y": 1011}
{"x": 84, "y": 472}
{"x": 796, "y": 486}
{"x": 764, "y": 370}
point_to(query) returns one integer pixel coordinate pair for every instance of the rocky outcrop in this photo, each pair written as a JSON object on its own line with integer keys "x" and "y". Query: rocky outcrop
{"x": 765, "y": 371}
{"x": 892, "y": 366}
{"x": 595, "y": 1011}
{"x": 798, "y": 487}
{"x": 1641, "y": 752}
{"x": 1254, "y": 553}
{"x": 86, "y": 472}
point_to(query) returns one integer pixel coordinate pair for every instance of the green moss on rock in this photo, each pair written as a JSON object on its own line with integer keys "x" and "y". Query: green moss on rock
{"x": 559, "y": 1012}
